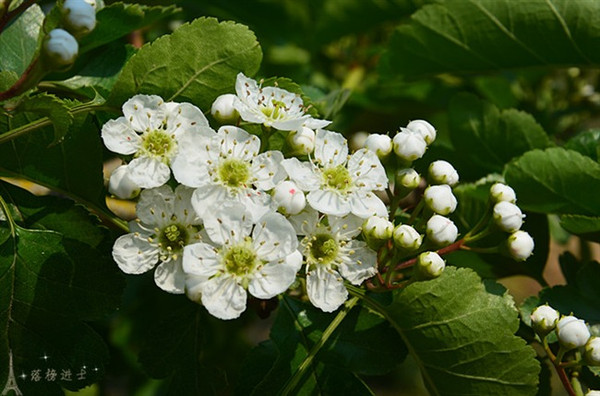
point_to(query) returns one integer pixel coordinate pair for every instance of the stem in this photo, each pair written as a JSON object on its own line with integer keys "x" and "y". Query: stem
{"x": 26, "y": 81}
{"x": 484, "y": 219}
{"x": 445, "y": 250}
{"x": 10, "y": 15}
{"x": 293, "y": 382}
{"x": 416, "y": 211}
{"x": 565, "y": 381}
{"x": 556, "y": 362}
{"x": 9, "y": 218}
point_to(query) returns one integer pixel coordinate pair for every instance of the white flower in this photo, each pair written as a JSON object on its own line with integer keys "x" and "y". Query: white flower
{"x": 406, "y": 237}
{"x": 442, "y": 172}
{"x": 167, "y": 222}
{"x": 441, "y": 230}
{"x": 61, "y": 47}
{"x": 572, "y": 332}
{"x": 272, "y": 106}
{"x": 520, "y": 245}
{"x": 80, "y": 16}
{"x": 440, "y": 199}
{"x": 242, "y": 255}
{"x": 431, "y": 264}
{"x": 544, "y": 319}
{"x": 408, "y": 178}
{"x": 288, "y": 198}
{"x": 409, "y": 145}
{"x": 156, "y": 133}
{"x": 379, "y": 144}
{"x": 223, "y": 109}
{"x": 423, "y": 128}
{"x": 229, "y": 169}
{"x": 338, "y": 185}
{"x": 302, "y": 141}
{"x": 593, "y": 393}
{"x": 592, "y": 351}
{"x": 507, "y": 216}
{"x": 332, "y": 255}
{"x": 378, "y": 227}
{"x": 121, "y": 186}
{"x": 501, "y": 192}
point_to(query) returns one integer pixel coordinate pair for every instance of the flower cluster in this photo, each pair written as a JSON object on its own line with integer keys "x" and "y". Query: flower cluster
{"x": 245, "y": 219}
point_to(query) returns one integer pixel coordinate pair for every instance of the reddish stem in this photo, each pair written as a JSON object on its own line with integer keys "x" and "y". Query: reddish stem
{"x": 445, "y": 250}
{"x": 565, "y": 380}
{"x": 15, "y": 89}
{"x": 10, "y": 15}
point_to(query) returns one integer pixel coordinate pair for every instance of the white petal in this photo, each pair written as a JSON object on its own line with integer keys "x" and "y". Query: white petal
{"x": 305, "y": 222}
{"x": 193, "y": 287}
{"x": 360, "y": 265}
{"x": 228, "y": 223}
{"x": 207, "y": 197}
{"x": 145, "y": 112}
{"x": 170, "y": 277}
{"x": 237, "y": 143}
{"x": 184, "y": 117}
{"x": 274, "y": 237}
{"x": 198, "y": 144}
{"x": 366, "y": 170}
{"x": 347, "y": 227}
{"x": 119, "y": 138}
{"x": 267, "y": 169}
{"x": 257, "y": 203}
{"x": 156, "y": 206}
{"x": 291, "y": 124}
{"x": 367, "y": 204}
{"x": 325, "y": 289}
{"x": 329, "y": 202}
{"x": 275, "y": 277}
{"x": 200, "y": 259}
{"x": 314, "y": 123}
{"x": 302, "y": 173}
{"x": 183, "y": 206}
{"x": 331, "y": 148}
{"x": 190, "y": 172}
{"x": 245, "y": 86}
{"x": 134, "y": 254}
{"x": 223, "y": 297}
{"x": 148, "y": 172}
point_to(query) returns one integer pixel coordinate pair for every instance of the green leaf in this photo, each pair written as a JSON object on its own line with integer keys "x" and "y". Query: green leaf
{"x": 587, "y": 227}
{"x": 462, "y": 337}
{"x": 19, "y": 41}
{"x": 586, "y": 142}
{"x": 196, "y": 63}
{"x": 118, "y": 19}
{"x": 489, "y": 35}
{"x": 556, "y": 181}
{"x": 489, "y": 137}
{"x": 7, "y": 79}
{"x": 52, "y": 107}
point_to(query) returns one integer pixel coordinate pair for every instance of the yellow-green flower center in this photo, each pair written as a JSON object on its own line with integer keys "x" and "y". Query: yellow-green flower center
{"x": 274, "y": 112}
{"x": 234, "y": 172}
{"x": 173, "y": 237}
{"x": 337, "y": 178}
{"x": 158, "y": 144}
{"x": 323, "y": 248}
{"x": 240, "y": 259}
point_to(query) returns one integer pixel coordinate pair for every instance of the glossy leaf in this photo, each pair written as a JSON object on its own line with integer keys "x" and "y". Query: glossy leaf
{"x": 586, "y": 142}
{"x": 19, "y": 41}
{"x": 52, "y": 107}
{"x": 588, "y": 227}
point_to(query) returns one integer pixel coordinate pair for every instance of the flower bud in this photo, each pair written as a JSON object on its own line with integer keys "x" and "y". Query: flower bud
{"x": 302, "y": 141}
{"x": 520, "y": 245}
{"x": 592, "y": 351}
{"x": 408, "y": 178}
{"x": 543, "y": 319}
{"x": 431, "y": 264}
{"x": 378, "y": 227}
{"x": 408, "y": 145}
{"x": 379, "y": 144}
{"x": 92, "y": 3}
{"x": 572, "y": 332}
{"x": 223, "y": 109}
{"x": 289, "y": 199}
{"x": 508, "y": 217}
{"x": 406, "y": 237}
{"x": 423, "y": 128}
{"x": 60, "y": 47}
{"x": 442, "y": 172}
{"x": 121, "y": 186}
{"x": 501, "y": 192}
{"x": 79, "y": 16}
{"x": 440, "y": 199}
{"x": 357, "y": 140}
{"x": 593, "y": 393}
{"x": 441, "y": 230}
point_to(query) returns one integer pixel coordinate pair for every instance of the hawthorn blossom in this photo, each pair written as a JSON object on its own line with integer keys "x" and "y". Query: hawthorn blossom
{"x": 241, "y": 255}
{"x": 337, "y": 184}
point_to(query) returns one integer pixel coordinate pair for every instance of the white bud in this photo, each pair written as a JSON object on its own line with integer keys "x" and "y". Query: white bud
{"x": 289, "y": 198}
{"x": 407, "y": 237}
{"x": 593, "y": 393}
{"x": 378, "y": 227}
{"x": 357, "y": 140}
{"x": 508, "y": 217}
{"x": 379, "y": 144}
{"x": 121, "y": 186}
{"x": 61, "y": 47}
{"x": 92, "y": 3}
{"x": 441, "y": 230}
{"x": 442, "y": 172}
{"x": 223, "y": 109}
{"x": 592, "y": 351}
{"x": 302, "y": 141}
{"x": 572, "y": 332}
{"x": 520, "y": 245}
{"x": 423, "y": 128}
{"x": 408, "y": 178}
{"x": 431, "y": 264}
{"x": 544, "y": 319}
{"x": 79, "y": 16}
{"x": 501, "y": 192}
{"x": 440, "y": 199}
{"x": 408, "y": 145}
